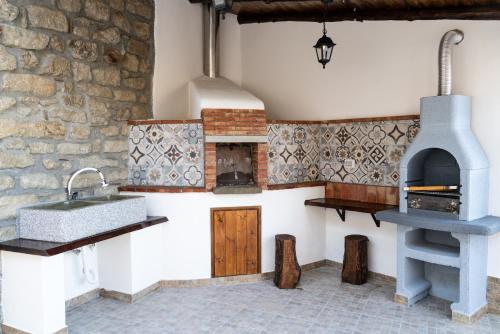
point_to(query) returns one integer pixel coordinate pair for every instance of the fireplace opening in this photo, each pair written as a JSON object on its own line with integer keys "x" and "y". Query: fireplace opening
{"x": 434, "y": 181}
{"x": 234, "y": 165}
{"x": 433, "y": 167}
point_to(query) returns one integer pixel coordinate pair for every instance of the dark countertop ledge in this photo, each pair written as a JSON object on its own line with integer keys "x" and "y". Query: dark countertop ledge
{"x": 488, "y": 225}
{"x": 358, "y": 206}
{"x": 48, "y": 248}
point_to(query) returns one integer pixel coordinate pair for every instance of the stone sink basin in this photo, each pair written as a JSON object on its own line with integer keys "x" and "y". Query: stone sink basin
{"x": 72, "y": 220}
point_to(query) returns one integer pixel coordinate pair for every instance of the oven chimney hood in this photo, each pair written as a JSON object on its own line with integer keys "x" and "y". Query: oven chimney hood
{"x": 211, "y": 91}
{"x": 219, "y": 93}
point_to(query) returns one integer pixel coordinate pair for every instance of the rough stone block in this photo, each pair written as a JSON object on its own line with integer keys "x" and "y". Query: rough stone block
{"x": 125, "y": 95}
{"x": 108, "y": 76}
{"x": 7, "y": 103}
{"x": 84, "y": 50}
{"x": 115, "y": 146}
{"x": 56, "y": 66}
{"x": 8, "y": 12}
{"x": 110, "y": 131}
{"x": 29, "y": 60}
{"x": 41, "y": 148}
{"x": 6, "y": 182}
{"x": 99, "y": 111}
{"x": 138, "y": 48}
{"x": 73, "y": 148}
{"x": 69, "y": 5}
{"x": 81, "y": 72}
{"x": 51, "y": 164}
{"x": 23, "y": 38}
{"x": 97, "y": 162}
{"x": 136, "y": 83}
{"x": 140, "y": 8}
{"x": 29, "y": 83}
{"x": 141, "y": 29}
{"x": 139, "y": 112}
{"x": 68, "y": 115}
{"x": 10, "y": 160}
{"x": 41, "y": 17}
{"x": 74, "y": 101}
{"x": 39, "y": 181}
{"x": 130, "y": 62}
{"x": 122, "y": 22}
{"x": 57, "y": 43}
{"x": 117, "y": 4}
{"x": 96, "y": 90}
{"x": 14, "y": 143}
{"x": 80, "y": 132}
{"x": 9, "y": 204}
{"x": 97, "y": 10}
{"x": 7, "y": 61}
{"x": 108, "y": 36}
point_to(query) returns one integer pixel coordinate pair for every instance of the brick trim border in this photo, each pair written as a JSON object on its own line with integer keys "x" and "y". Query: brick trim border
{"x": 164, "y": 121}
{"x": 348, "y": 120}
{"x": 296, "y": 185}
{"x": 161, "y": 189}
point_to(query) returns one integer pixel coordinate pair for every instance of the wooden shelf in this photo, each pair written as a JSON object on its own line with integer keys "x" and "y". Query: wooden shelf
{"x": 48, "y": 248}
{"x": 344, "y": 205}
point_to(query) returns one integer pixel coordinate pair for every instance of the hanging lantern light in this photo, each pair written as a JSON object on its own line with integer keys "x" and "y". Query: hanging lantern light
{"x": 324, "y": 47}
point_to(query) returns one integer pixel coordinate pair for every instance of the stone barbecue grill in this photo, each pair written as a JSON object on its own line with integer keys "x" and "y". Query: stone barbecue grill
{"x": 442, "y": 236}
{"x": 446, "y": 152}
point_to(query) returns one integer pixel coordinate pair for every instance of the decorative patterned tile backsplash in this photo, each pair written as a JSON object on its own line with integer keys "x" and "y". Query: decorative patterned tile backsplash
{"x": 360, "y": 152}
{"x": 357, "y": 152}
{"x": 166, "y": 155}
{"x": 294, "y": 153}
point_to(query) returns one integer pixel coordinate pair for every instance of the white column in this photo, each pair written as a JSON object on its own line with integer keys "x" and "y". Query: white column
{"x": 33, "y": 292}
{"x": 132, "y": 262}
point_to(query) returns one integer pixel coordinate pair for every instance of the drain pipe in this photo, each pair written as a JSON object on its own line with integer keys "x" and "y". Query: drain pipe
{"x": 452, "y": 37}
{"x": 211, "y": 20}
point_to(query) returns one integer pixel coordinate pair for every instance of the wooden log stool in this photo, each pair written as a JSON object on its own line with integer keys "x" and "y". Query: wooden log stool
{"x": 287, "y": 269}
{"x": 355, "y": 266}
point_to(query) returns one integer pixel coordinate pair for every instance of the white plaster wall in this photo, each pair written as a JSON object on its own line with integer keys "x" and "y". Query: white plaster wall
{"x": 179, "y": 54}
{"x": 377, "y": 69}
{"x": 381, "y": 245}
{"x": 33, "y": 292}
{"x": 187, "y": 236}
{"x": 230, "y": 49}
{"x": 75, "y": 283}
{"x": 178, "y": 60}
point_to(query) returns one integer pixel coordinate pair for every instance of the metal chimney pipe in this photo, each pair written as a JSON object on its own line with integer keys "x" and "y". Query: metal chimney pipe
{"x": 211, "y": 20}
{"x": 452, "y": 37}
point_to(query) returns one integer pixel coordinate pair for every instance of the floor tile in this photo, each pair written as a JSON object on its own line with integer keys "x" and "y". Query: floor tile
{"x": 321, "y": 304}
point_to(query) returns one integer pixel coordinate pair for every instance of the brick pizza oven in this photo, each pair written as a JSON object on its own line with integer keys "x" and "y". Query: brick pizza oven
{"x": 243, "y": 128}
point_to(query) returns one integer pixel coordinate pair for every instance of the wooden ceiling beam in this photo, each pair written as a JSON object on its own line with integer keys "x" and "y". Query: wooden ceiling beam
{"x": 484, "y": 12}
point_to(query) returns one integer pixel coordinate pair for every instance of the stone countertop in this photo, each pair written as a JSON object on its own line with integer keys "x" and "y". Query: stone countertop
{"x": 488, "y": 225}
{"x": 48, "y": 248}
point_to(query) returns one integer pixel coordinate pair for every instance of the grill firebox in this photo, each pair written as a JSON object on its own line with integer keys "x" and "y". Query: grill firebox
{"x": 446, "y": 153}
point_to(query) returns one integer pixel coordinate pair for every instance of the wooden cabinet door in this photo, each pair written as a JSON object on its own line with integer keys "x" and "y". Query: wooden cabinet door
{"x": 235, "y": 241}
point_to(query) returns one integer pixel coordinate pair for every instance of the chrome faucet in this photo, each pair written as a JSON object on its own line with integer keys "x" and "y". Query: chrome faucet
{"x": 72, "y": 196}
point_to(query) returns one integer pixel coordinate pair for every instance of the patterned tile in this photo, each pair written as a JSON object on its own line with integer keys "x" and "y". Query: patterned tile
{"x": 366, "y": 153}
{"x": 294, "y": 152}
{"x": 166, "y": 154}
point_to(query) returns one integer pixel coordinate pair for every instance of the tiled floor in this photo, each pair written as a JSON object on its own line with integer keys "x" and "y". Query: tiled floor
{"x": 321, "y": 305}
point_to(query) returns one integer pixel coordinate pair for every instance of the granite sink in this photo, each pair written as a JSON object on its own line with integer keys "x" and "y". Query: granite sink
{"x": 72, "y": 220}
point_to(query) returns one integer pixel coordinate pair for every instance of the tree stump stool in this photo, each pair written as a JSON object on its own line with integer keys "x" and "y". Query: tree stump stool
{"x": 355, "y": 266}
{"x": 287, "y": 269}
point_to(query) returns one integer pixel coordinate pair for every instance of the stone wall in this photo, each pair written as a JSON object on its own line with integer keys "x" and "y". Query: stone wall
{"x": 72, "y": 73}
